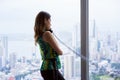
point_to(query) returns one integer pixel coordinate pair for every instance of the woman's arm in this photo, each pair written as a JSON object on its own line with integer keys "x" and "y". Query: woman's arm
{"x": 48, "y": 37}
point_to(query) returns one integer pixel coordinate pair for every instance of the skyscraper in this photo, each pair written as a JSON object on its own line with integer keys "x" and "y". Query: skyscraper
{"x": 4, "y": 42}
{"x": 2, "y": 61}
{"x": 69, "y": 66}
{"x": 76, "y": 35}
{"x": 94, "y": 29}
{"x": 118, "y": 45}
{"x": 12, "y": 59}
{"x": 1, "y": 49}
{"x": 76, "y": 38}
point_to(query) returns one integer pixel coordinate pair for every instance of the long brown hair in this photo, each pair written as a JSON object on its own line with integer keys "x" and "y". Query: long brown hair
{"x": 40, "y": 24}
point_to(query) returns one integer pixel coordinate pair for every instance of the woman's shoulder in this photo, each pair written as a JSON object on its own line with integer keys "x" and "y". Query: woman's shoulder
{"x": 47, "y": 33}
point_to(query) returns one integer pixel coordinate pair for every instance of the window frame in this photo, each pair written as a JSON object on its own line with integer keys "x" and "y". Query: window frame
{"x": 85, "y": 39}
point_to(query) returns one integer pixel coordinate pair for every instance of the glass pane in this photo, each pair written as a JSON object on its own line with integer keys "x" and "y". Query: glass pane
{"x": 19, "y": 58}
{"x": 104, "y": 39}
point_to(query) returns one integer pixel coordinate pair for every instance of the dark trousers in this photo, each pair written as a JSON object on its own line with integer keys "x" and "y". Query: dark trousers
{"x": 52, "y": 75}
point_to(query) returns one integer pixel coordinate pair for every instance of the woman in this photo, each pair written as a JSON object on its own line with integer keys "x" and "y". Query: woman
{"x": 49, "y": 48}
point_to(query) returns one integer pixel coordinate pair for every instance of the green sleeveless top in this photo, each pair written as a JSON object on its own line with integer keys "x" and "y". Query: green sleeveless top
{"x": 47, "y": 53}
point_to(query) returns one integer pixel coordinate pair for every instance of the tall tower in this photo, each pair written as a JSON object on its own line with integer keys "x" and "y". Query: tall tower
{"x": 2, "y": 61}
{"x": 1, "y": 49}
{"x": 76, "y": 37}
{"x": 118, "y": 45}
{"x": 76, "y": 47}
{"x": 69, "y": 66}
{"x": 12, "y": 60}
{"x": 94, "y": 29}
{"x": 4, "y": 42}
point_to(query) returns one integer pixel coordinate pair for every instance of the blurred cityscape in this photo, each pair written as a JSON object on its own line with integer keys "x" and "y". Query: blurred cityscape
{"x": 20, "y": 58}
{"x": 104, "y": 50}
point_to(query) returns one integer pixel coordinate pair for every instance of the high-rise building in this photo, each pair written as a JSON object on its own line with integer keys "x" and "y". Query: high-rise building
{"x": 23, "y": 59}
{"x": 77, "y": 67}
{"x": 118, "y": 46}
{"x": 76, "y": 40}
{"x": 4, "y": 42}
{"x": 69, "y": 66}
{"x": 2, "y": 60}
{"x": 76, "y": 47}
{"x": 12, "y": 59}
{"x": 93, "y": 48}
{"x": 76, "y": 36}
{"x": 94, "y": 29}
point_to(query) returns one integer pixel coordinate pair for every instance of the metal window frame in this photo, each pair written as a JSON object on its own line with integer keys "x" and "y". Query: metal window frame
{"x": 85, "y": 39}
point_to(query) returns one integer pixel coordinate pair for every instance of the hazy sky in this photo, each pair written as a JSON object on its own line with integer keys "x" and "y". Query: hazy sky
{"x": 17, "y": 16}
{"x": 106, "y": 14}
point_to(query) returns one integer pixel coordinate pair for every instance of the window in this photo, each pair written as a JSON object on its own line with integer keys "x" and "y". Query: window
{"x": 104, "y": 39}
{"x": 19, "y": 57}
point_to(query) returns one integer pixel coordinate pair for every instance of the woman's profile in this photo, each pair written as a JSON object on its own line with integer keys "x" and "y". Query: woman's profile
{"x": 49, "y": 48}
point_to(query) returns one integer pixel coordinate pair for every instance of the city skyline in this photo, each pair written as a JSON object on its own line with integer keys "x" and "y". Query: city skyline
{"x": 15, "y": 63}
{"x": 23, "y": 57}
{"x": 106, "y": 47}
